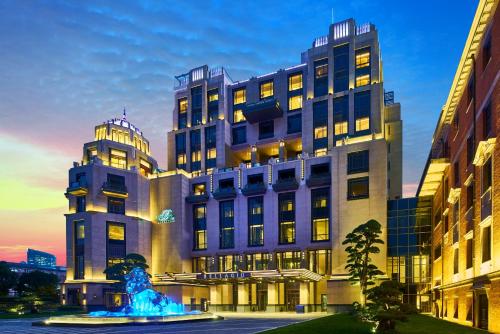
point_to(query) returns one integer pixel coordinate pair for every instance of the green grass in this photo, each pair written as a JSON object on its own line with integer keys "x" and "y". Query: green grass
{"x": 37, "y": 315}
{"x": 344, "y": 323}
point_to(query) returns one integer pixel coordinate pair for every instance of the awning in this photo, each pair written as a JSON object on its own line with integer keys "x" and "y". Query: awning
{"x": 237, "y": 276}
{"x": 433, "y": 175}
{"x": 262, "y": 111}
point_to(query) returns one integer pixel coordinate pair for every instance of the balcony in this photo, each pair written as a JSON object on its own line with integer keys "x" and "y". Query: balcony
{"x": 224, "y": 193}
{"x": 254, "y": 189}
{"x": 197, "y": 198}
{"x": 486, "y": 204}
{"x": 315, "y": 180}
{"x": 286, "y": 184}
{"x": 114, "y": 189}
{"x": 469, "y": 219}
{"x": 262, "y": 111}
{"x": 78, "y": 188}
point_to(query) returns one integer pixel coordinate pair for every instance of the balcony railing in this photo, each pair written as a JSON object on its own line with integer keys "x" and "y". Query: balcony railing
{"x": 114, "y": 189}
{"x": 197, "y": 198}
{"x": 322, "y": 179}
{"x": 469, "y": 219}
{"x": 224, "y": 193}
{"x": 456, "y": 233}
{"x": 78, "y": 188}
{"x": 254, "y": 189}
{"x": 486, "y": 204}
{"x": 286, "y": 184}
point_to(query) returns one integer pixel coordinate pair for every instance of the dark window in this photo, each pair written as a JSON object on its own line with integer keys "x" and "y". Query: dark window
{"x": 286, "y": 174}
{"x": 294, "y": 123}
{"x": 470, "y": 90}
{"x": 196, "y": 103}
{"x": 180, "y": 142}
{"x": 321, "y": 77}
{"x": 255, "y": 179}
{"x": 116, "y": 205}
{"x": 487, "y": 121}
{"x": 210, "y": 136}
{"x": 486, "y": 50}
{"x": 320, "y": 214}
{"x": 226, "y": 216}
{"x": 341, "y": 68}
{"x": 226, "y": 183}
{"x": 266, "y": 129}
{"x": 455, "y": 261}
{"x": 470, "y": 251}
{"x": 470, "y": 149}
{"x": 486, "y": 176}
{"x": 286, "y": 211}
{"x": 195, "y": 137}
{"x": 79, "y": 241}
{"x": 470, "y": 195}
{"x": 239, "y": 135}
{"x": 358, "y": 188}
{"x": 456, "y": 174}
{"x": 320, "y": 124}
{"x": 80, "y": 204}
{"x": 199, "y": 227}
{"x": 116, "y": 181}
{"x": 256, "y": 221}
{"x": 486, "y": 243}
{"x": 341, "y": 115}
{"x": 358, "y": 162}
{"x": 115, "y": 244}
{"x": 437, "y": 252}
{"x": 362, "y": 111}
{"x": 320, "y": 169}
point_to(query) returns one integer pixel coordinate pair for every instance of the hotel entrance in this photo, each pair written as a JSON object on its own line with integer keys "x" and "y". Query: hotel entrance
{"x": 261, "y": 296}
{"x": 292, "y": 295}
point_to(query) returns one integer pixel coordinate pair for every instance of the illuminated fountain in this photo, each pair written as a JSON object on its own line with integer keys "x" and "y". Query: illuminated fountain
{"x": 146, "y": 306}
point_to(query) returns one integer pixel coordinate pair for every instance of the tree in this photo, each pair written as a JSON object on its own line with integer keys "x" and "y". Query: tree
{"x": 385, "y": 305}
{"x": 38, "y": 284}
{"x": 8, "y": 278}
{"x": 362, "y": 243}
{"x": 119, "y": 270}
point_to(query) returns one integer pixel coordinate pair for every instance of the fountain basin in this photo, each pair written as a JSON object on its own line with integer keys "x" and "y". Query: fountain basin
{"x": 86, "y": 320}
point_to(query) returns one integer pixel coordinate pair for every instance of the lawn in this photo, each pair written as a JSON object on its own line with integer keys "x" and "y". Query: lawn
{"x": 343, "y": 323}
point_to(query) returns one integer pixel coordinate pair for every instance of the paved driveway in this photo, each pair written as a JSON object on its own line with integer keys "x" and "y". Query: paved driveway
{"x": 232, "y": 324}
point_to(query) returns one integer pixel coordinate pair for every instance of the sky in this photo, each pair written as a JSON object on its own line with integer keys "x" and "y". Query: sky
{"x": 66, "y": 66}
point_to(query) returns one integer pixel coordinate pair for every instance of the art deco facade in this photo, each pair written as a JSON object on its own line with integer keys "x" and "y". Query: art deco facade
{"x": 462, "y": 178}
{"x": 265, "y": 178}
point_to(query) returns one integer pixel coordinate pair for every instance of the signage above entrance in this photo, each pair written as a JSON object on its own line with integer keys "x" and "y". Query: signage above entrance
{"x": 223, "y": 275}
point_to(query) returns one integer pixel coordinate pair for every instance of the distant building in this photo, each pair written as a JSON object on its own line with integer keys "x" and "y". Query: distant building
{"x": 39, "y": 258}
{"x": 22, "y": 268}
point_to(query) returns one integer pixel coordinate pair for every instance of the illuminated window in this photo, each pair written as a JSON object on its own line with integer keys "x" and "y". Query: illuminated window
{"x": 91, "y": 153}
{"x": 238, "y": 116}
{"x": 183, "y": 105}
{"x": 362, "y": 123}
{"x": 226, "y": 224}
{"x": 319, "y": 261}
{"x": 321, "y": 71}
{"x": 266, "y": 89}
{"x": 195, "y": 156}
{"x": 213, "y": 95}
{"x": 79, "y": 255}
{"x": 146, "y": 167}
{"x": 239, "y": 96}
{"x": 341, "y": 128}
{"x": 320, "y": 132}
{"x": 211, "y": 153}
{"x": 363, "y": 59}
{"x": 320, "y": 229}
{"x": 116, "y": 232}
{"x": 295, "y": 102}
{"x": 199, "y": 188}
{"x": 362, "y": 80}
{"x": 295, "y": 82}
{"x": 320, "y": 152}
{"x": 358, "y": 188}
{"x": 286, "y": 218}
{"x": 181, "y": 159}
{"x": 80, "y": 230}
{"x": 115, "y": 245}
{"x": 255, "y": 221}
{"x": 117, "y": 158}
{"x": 200, "y": 227}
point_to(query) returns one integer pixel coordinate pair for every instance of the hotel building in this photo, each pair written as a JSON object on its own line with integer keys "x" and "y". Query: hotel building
{"x": 462, "y": 179}
{"x": 265, "y": 177}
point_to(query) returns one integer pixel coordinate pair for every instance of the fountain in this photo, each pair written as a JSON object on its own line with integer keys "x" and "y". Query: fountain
{"x": 146, "y": 306}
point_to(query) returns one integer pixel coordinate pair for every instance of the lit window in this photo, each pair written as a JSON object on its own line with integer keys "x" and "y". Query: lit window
{"x": 320, "y": 132}
{"x": 116, "y": 232}
{"x": 341, "y": 128}
{"x": 363, "y": 123}
{"x": 295, "y": 82}
{"x": 321, "y": 71}
{"x": 266, "y": 89}
{"x": 238, "y": 116}
{"x": 320, "y": 152}
{"x": 145, "y": 167}
{"x": 183, "y": 105}
{"x": 211, "y": 153}
{"x": 80, "y": 230}
{"x": 195, "y": 156}
{"x": 363, "y": 80}
{"x": 363, "y": 59}
{"x": 295, "y": 102}
{"x": 118, "y": 159}
{"x": 287, "y": 206}
{"x": 199, "y": 189}
{"x": 181, "y": 159}
{"x": 320, "y": 229}
{"x": 239, "y": 96}
{"x": 320, "y": 202}
{"x": 213, "y": 96}
{"x": 201, "y": 239}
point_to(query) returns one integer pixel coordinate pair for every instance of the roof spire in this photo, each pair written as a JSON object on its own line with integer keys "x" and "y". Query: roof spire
{"x": 124, "y": 117}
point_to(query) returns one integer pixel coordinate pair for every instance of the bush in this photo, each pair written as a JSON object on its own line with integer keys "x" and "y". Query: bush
{"x": 409, "y": 309}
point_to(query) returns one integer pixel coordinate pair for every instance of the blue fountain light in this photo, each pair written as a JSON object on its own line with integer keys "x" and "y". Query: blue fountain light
{"x": 143, "y": 300}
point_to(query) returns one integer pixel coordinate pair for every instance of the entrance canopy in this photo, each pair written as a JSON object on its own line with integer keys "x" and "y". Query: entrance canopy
{"x": 238, "y": 276}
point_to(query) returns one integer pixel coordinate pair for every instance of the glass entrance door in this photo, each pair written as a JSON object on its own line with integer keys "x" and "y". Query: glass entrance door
{"x": 292, "y": 295}
{"x": 261, "y": 296}
{"x": 483, "y": 311}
